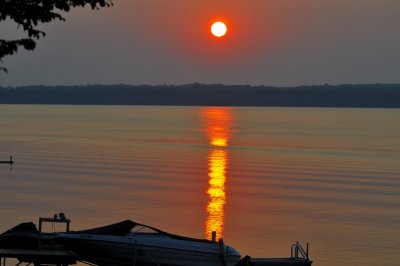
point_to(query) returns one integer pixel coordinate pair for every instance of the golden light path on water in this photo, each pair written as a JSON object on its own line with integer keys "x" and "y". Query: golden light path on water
{"x": 218, "y": 123}
{"x": 217, "y": 162}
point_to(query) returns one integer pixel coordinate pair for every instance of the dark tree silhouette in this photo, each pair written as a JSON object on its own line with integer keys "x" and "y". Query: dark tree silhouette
{"x": 29, "y": 13}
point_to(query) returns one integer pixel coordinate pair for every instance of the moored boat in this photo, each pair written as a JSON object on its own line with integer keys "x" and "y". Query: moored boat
{"x": 146, "y": 245}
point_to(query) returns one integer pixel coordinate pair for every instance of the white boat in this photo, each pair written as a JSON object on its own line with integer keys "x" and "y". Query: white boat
{"x": 144, "y": 245}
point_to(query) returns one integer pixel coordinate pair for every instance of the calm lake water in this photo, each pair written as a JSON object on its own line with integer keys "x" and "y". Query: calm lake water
{"x": 263, "y": 178}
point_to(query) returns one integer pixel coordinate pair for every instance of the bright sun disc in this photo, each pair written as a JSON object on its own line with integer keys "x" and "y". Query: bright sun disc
{"x": 218, "y": 29}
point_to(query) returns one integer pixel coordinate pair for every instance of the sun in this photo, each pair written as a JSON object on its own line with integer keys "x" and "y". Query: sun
{"x": 218, "y": 29}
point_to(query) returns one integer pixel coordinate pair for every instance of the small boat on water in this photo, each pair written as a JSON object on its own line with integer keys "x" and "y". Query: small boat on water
{"x": 143, "y": 245}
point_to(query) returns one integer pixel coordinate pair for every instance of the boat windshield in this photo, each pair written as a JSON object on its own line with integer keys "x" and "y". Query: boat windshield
{"x": 143, "y": 229}
{"x": 148, "y": 230}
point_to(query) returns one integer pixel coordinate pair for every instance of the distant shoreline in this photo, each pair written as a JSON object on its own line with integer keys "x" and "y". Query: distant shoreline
{"x": 347, "y": 95}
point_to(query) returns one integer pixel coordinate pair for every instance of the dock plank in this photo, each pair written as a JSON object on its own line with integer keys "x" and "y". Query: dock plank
{"x": 35, "y": 252}
{"x": 280, "y": 262}
{"x": 48, "y": 256}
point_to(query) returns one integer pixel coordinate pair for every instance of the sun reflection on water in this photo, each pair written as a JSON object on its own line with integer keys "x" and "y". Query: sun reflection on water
{"x": 218, "y": 123}
{"x": 217, "y": 162}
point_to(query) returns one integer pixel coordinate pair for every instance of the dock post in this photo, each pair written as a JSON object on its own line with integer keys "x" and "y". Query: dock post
{"x": 214, "y": 236}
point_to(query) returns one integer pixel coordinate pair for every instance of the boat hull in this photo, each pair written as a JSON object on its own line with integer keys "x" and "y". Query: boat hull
{"x": 146, "y": 250}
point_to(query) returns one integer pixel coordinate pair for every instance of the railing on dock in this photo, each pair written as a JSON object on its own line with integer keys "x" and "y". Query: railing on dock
{"x": 297, "y": 251}
{"x": 60, "y": 218}
{"x": 298, "y": 257}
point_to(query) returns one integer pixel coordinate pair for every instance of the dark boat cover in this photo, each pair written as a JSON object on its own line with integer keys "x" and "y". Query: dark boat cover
{"x": 22, "y": 236}
{"x": 117, "y": 229}
{"x": 23, "y": 227}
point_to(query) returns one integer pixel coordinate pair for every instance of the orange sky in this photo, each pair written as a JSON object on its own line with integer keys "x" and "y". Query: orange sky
{"x": 271, "y": 42}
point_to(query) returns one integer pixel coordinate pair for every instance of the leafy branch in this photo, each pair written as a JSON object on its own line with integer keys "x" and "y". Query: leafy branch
{"x": 28, "y": 14}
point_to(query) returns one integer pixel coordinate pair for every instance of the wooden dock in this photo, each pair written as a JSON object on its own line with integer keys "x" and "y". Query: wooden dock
{"x": 280, "y": 262}
{"x": 298, "y": 257}
{"x": 38, "y": 257}
{"x": 49, "y": 254}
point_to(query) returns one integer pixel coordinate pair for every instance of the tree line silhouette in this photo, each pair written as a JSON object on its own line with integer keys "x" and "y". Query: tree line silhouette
{"x": 371, "y": 95}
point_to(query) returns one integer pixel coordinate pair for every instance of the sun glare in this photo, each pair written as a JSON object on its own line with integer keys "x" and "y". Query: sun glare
{"x": 219, "y": 29}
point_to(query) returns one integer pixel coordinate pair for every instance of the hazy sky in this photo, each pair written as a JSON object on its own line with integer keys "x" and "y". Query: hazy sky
{"x": 270, "y": 42}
